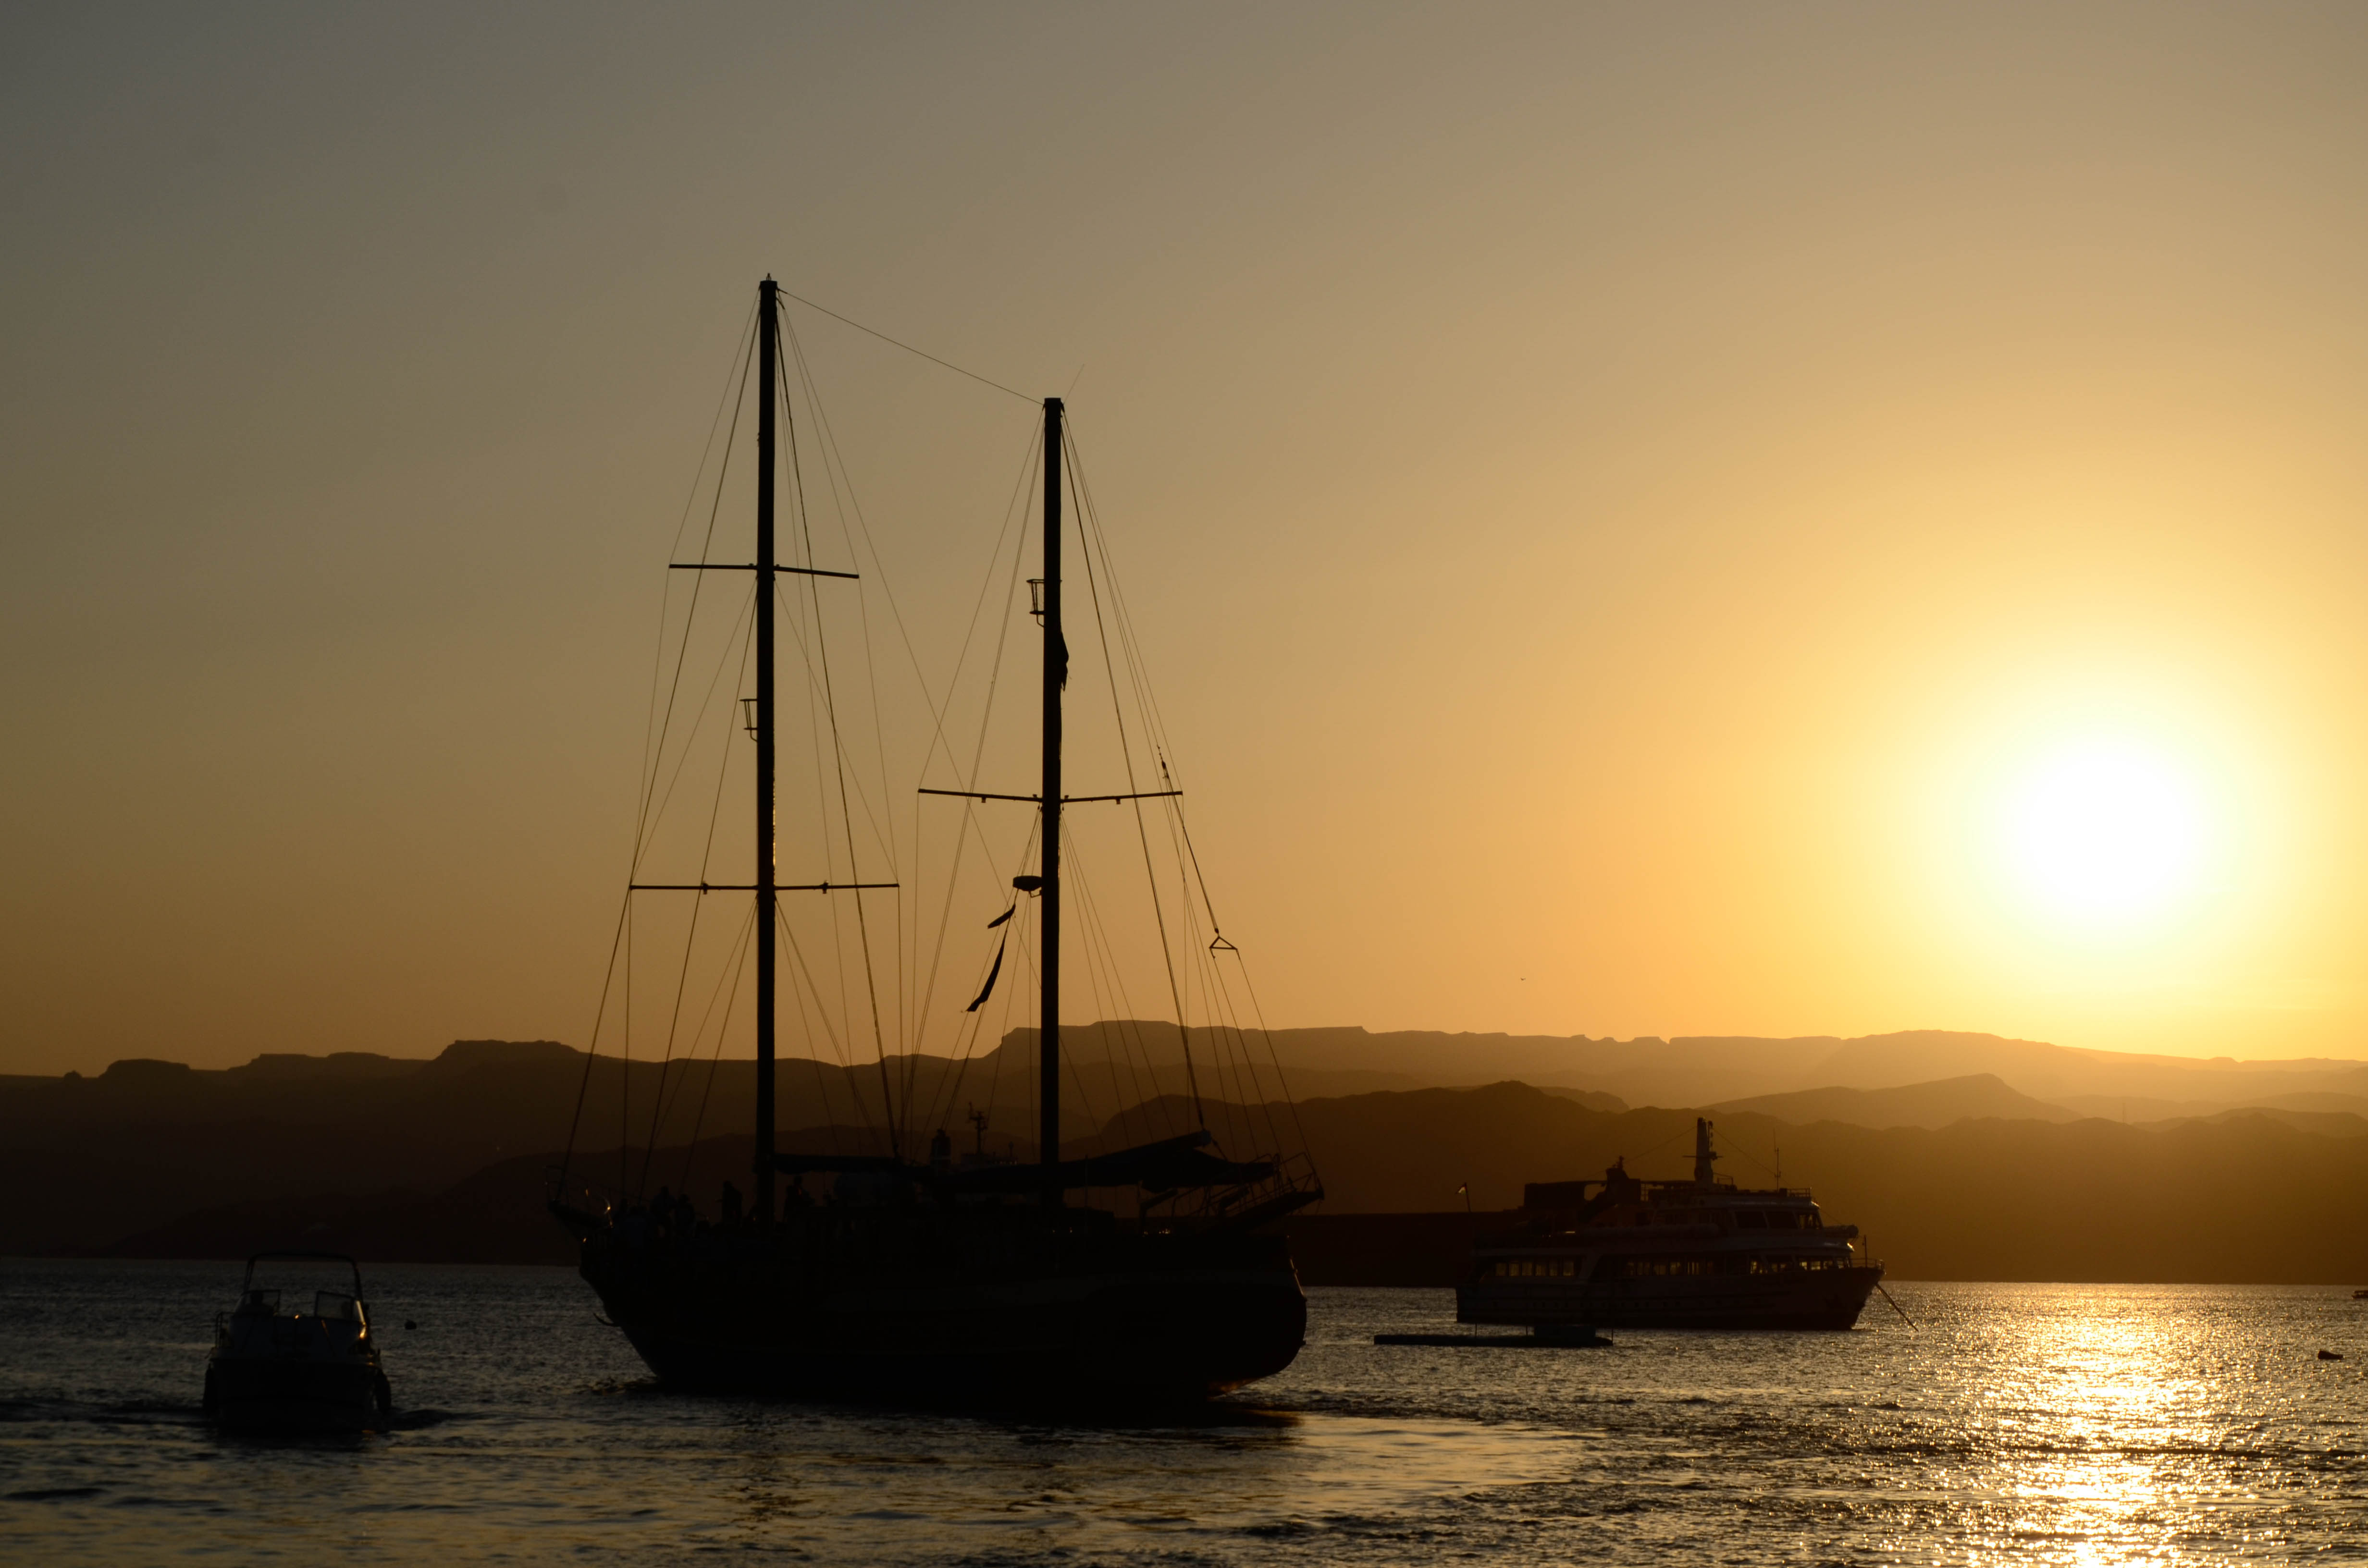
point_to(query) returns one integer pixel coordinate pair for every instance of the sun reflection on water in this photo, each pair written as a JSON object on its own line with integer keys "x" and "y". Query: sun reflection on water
{"x": 2016, "y": 1425}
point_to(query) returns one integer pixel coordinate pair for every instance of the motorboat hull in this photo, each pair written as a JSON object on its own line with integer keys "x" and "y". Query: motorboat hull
{"x": 248, "y": 1396}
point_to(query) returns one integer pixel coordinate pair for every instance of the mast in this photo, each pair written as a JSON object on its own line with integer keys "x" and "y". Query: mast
{"x": 1056, "y": 675}
{"x": 768, "y": 331}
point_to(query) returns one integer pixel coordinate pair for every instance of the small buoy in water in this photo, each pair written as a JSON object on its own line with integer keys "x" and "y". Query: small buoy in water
{"x": 408, "y": 1324}
{"x": 2330, "y": 1355}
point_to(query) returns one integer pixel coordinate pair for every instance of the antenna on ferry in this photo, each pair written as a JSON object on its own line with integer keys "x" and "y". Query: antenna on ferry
{"x": 1705, "y": 1158}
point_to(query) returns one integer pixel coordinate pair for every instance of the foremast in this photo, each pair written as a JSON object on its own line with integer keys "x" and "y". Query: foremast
{"x": 768, "y": 334}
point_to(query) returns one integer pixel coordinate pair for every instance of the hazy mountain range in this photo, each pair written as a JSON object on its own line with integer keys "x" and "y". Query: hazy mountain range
{"x": 1964, "y": 1155}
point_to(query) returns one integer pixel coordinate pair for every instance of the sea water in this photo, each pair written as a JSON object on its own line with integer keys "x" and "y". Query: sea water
{"x": 2011, "y": 1422}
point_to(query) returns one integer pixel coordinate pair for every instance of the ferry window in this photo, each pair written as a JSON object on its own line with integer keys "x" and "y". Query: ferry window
{"x": 1752, "y": 1219}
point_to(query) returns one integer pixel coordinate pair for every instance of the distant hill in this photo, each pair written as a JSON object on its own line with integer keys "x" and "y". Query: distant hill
{"x": 135, "y": 1151}
{"x": 2243, "y": 1198}
{"x": 1913, "y": 1104}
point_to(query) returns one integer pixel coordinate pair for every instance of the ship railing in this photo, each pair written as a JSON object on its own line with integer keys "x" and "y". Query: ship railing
{"x": 1293, "y": 1176}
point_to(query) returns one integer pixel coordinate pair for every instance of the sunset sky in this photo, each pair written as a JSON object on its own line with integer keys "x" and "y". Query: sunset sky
{"x": 1685, "y": 520}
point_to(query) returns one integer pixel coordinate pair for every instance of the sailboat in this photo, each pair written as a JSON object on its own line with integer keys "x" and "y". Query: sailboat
{"x": 939, "y": 1278}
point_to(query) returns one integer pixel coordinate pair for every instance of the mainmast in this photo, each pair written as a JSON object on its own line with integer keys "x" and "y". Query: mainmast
{"x": 769, "y": 340}
{"x": 1057, "y": 675}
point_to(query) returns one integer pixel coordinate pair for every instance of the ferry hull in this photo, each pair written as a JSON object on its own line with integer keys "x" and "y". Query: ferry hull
{"x": 1820, "y": 1299}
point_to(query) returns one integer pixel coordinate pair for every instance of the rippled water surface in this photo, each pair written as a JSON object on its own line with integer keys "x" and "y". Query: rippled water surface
{"x": 2014, "y": 1423}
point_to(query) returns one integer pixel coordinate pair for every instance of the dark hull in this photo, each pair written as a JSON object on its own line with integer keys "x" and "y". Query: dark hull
{"x": 1137, "y": 1324}
{"x": 257, "y": 1396}
{"x": 1819, "y": 1299}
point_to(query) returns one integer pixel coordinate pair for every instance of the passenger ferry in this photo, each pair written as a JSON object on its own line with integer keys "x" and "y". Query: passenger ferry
{"x": 1623, "y": 1253}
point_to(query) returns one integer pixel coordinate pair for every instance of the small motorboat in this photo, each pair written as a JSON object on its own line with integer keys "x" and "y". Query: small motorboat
{"x": 289, "y": 1370}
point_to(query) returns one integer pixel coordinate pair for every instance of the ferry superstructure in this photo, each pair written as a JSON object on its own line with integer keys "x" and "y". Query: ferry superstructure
{"x": 1625, "y": 1253}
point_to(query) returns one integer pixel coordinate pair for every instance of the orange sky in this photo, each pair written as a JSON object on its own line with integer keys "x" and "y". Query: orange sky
{"x": 1617, "y": 499}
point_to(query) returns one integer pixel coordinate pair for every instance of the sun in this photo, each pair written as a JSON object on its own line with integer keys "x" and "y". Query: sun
{"x": 2104, "y": 836}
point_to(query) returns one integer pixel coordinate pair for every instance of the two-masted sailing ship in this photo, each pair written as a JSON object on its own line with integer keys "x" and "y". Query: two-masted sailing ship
{"x": 888, "y": 1274}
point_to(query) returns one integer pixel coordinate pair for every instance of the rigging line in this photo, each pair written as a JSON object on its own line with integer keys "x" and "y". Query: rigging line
{"x": 1151, "y": 876}
{"x": 739, "y": 379}
{"x": 1099, "y": 959}
{"x": 978, "y": 750}
{"x": 834, "y": 452}
{"x": 1283, "y": 1079}
{"x": 855, "y": 872}
{"x": 1229, "y": 1086}
{"x": 748, "y": 332}
{"x": 1013, "y": 998}
{"x": 625, "y": 1067}
{"x": 834, "y": 468}
{"x": 723, "y": 763}
{"x": 914, "y": 1020}
{"x": 817, "y": 697}
{"x": 839, "y": 475}
{"x": 1034, "y": 991}
{"x": 907, "y": 348}
{"x": 961, "y": 1067}
{"x": 847, "y": 815}
{"x": 820, "y": 1013}
{"x": 1138, "y": 667}
{"x": 823, "y": 1071}
{"x": 814, "y": 688}
{"x": 722, "y": 1030}
{"x": 674, "y": 1027}
{"x": 1136, "y": 670}
{"x": 652, "y": 755}
{"x": 872, "y": 686}
{"x": 1185, "y": 830}
{"x": 706, "y": 700}
{"x": 690, "y": 933}
{"x": 1102, "y": 962}
{"x": 968, "y": 826}
{"x": 830, "y": 862}
{"x": 871, "y": 819}
{"x": 666, "y": 1101}
{"x": 1257, "y": 1105}
{"x": 1232, "y": 1016}
{"x": 729, "y": 974}
{"x": 592, "y": 1048}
